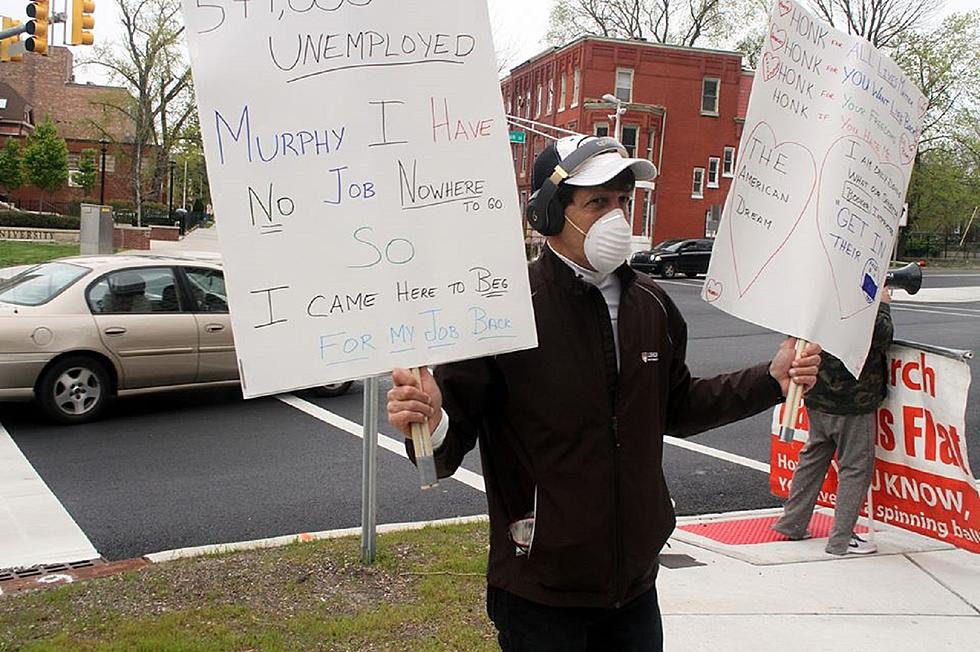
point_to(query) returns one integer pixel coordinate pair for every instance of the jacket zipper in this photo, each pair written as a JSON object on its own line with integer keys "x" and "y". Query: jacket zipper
{"x": 617, "y": 529}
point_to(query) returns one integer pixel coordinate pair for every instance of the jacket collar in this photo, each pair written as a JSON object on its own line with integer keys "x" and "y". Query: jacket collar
{"x": 557, "y": 271}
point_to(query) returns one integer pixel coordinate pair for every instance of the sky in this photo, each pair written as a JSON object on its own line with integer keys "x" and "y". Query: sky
{"x": 519, "y": 26}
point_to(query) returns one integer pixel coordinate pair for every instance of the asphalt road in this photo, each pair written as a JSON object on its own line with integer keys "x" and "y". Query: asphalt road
{"x": 204, "y": 467}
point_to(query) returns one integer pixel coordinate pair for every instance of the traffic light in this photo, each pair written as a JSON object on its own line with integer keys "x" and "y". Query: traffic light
{"x": 37, "y": 27}
{"x": 82, "y": 21}
{"x": 5, "y": 44}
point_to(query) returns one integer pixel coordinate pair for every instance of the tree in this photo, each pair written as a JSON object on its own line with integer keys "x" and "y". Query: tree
{"x": 944, "y": 63}
{"x": 678, "y": 22}
{"x": 882, "y": 22}
{"x": 87, "y": 172}
{"x": 151, "y": 62}
{"x": 944, "y": 190}
{"x": 46, "y": 157}
{"x": 11, "y": 166}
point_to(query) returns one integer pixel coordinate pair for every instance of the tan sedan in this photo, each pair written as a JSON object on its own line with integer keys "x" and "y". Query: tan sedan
{"x": 77, "y": 331}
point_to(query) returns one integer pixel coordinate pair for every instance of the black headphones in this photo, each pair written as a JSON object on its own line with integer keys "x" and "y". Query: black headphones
{"x": 544, "y": 212}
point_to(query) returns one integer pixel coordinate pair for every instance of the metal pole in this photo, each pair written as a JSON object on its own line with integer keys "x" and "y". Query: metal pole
{"x": 183, "y": 203}
{"x": 170, "y": 193}
{"x": 102, "y": 146}
{"x": 369, "y": 472}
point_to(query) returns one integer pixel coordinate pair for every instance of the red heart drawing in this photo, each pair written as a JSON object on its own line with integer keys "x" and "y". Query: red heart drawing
{"x": 778, "y": 38}
{"x": 770, "y": 66}
{"x": 763, "y": 209}
{"x": 713, "y": 290}
{"x": 907, "y": 147}
{"x": 784, "y": 8}
{"x": 859, "y": 205}
{"x": 923, "y": 106}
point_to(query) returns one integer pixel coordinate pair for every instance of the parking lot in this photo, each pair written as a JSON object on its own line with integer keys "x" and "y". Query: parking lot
{"x": 201, "y": 467}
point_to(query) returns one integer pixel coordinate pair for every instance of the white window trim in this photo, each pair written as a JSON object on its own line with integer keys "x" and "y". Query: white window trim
{"x": 537, "y": 107}
{"x": 595, "y": 128}
{"x": 697, "y": 193}
{"x": 717, "y": 166}
{"x": 576, "y": 86}
{"x": 616, "y": 89}
{"x": 704, "y": 82}
{"x": 551, "y": 95}
{"x": 563, "y": 94}
{"x": 730, "y": 172}
{"x": 636, "y": 141}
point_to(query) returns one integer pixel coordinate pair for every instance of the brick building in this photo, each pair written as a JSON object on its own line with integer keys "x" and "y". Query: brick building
{"x": 685, "y": 109}
{"x": 82, "y": 113}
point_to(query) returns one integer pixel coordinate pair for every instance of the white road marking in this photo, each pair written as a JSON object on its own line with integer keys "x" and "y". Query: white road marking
{"x": 35, "y": 528}
{"x": 949, "y": 312}
{"x": 719, "y": 454}
{"x": 465, "y": 476}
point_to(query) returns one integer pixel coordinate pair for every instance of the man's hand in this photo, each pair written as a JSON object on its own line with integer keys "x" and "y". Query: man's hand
{"x": 803, "y": 370}
{"x": 886, "y": 295}
{"x": 408, "y": 403}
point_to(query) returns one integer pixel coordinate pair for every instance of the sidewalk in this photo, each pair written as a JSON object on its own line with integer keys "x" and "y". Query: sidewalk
{"x": 198, "y": 240}
{"x": 914, "y": 594}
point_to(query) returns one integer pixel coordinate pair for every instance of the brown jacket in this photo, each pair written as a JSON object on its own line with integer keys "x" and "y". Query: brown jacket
{"x": 565, "y": 436}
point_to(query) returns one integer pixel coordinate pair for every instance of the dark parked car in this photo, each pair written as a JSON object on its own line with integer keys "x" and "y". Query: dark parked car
{"x": 673, "y": 257}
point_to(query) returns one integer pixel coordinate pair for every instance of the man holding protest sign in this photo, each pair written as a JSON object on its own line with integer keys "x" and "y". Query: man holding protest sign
{"x": 571, "y": 433}
{"x": 842, "y": 413}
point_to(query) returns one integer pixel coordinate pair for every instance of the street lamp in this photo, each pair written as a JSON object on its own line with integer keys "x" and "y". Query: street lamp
{"x": 620, "y": 110}
{"x": 103, "y": 146}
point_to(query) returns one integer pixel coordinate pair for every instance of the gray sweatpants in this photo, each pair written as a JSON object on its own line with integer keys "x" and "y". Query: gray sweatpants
{"x": 853, "y": 437}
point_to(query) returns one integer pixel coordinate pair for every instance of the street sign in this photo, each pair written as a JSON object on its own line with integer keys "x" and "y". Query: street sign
{"x": 518, "y": 137}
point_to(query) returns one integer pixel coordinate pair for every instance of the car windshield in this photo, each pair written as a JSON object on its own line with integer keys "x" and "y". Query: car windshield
{"x": 669, "y": 245}
{"x": 40, "y": 284}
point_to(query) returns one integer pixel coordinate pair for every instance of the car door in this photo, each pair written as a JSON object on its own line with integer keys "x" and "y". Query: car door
{"x": 687, "y": 255}
{"x": 704, "y": 256}
{"x": 209, "y": 304}
{"x": 138, "y": 314}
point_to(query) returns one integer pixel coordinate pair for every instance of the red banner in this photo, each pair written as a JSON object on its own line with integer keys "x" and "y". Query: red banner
{"x": 922, "y": 480}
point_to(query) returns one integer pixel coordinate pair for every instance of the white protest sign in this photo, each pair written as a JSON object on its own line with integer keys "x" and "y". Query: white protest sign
{"x": 822, "y": 170}
{"x": 364, "y": 192}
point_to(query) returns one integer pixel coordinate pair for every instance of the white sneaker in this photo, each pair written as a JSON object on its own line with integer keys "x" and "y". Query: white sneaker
{"x": 859, "y": 546}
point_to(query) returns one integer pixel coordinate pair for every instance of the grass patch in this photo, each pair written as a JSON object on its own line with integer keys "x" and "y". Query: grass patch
{"x": 27, "y": 253}
{"x": 425, "y": 592}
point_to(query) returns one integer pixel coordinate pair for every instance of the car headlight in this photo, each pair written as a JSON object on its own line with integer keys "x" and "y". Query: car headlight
{"x": 658, "y": 258}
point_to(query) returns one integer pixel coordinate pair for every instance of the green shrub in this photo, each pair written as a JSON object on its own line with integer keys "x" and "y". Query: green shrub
{"x": 38, "y": 221}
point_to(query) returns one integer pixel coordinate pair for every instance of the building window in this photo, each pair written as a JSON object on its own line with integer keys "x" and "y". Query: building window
{"x": 510, "y": 105}
{"x": 601, "y": 129}
{"x": 697, "y": 192}
{"x": 527, "y": 104}
{"x": 713, "y": 163}
{"x": 709, "y": 95}
{"x": 572, "y": 125}
{"x": 537, "y": 107}
{"x": 631, "y": 134}
{"x": 576, "y": 86}
{"x": 728, "y": 169}
{"x": 110, "y": 162}
{"x": 624, "y": 84}
{"x": 563, "y": 92}
{"x": 523, "y": 159}
{"x": 551, "y": 96}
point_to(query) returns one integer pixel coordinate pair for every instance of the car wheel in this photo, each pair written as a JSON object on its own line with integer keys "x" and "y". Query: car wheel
{"x": 334, "y": 389}
{"x": 74, "y": 390}
{"x": 669, "y": 270}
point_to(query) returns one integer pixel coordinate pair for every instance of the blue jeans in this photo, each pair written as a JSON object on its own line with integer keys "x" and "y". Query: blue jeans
{"x": 523, "y": 625}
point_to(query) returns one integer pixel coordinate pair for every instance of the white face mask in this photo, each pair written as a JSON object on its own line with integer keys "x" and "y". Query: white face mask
{"x": 607, "y": 244}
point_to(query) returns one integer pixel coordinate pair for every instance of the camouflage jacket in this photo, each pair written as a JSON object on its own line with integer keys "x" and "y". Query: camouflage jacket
{"x": 838, "y": 392}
